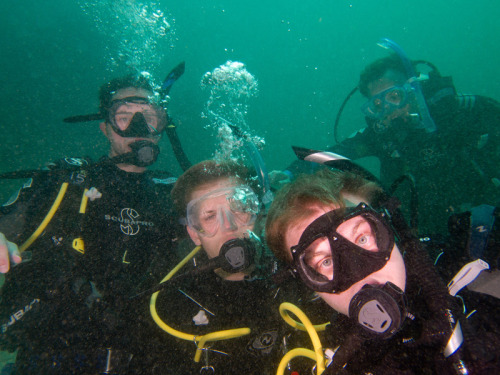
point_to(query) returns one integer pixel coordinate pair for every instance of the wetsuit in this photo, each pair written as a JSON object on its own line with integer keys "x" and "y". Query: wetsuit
{"x": 229, "y": 305}
{"x": 67, "y": 309}
{"x": 455, "y": 168}
{"x": 404, "y": 354}
{"x": 417, "y": 348}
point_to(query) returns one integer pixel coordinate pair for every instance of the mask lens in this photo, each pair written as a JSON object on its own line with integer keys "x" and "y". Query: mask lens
{"x": 359, "y": 232}
{"x": 129, "y": 112}
{"x": 125, "y": 113}
{"x": 342, "y": 247}
{"x": 385, "y": 102}
{"x": 395, "y": 96}
{"x": 227, "y": 208}
{"x": 318, "y": 259}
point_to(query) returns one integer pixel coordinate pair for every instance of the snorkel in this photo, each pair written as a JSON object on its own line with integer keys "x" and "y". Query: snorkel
{"x": 258, "y": 163}
{"x": 426, "y": 121}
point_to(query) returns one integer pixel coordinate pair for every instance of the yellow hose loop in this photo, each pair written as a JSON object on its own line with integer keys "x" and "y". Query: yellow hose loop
{"x": 152, "y": 304}
{"x": 216, "y": 336}
{"x": 297, "y": 325}
{"x": 200, "y": 340}
{"x": 297, "y": 352}
{"x": 318, "y": 349}
{"x": 163, "y": 325}
{"x": 47, "y": 219}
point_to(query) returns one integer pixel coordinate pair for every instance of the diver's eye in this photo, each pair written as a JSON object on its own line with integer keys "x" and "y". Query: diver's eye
{"x": 151, "y": 118}
{"x": 242, "y": 217}
{"x": 325, "y": 267}
{"x": 377, "y": 103}
{"x": 326, "y": 263}
{"x": 394, "y": 97}
{"x": 362, "y": 240}
{"x": 208, "y": 217}
{"x": 123, "y": 119}
{"x": 359, "y": 232}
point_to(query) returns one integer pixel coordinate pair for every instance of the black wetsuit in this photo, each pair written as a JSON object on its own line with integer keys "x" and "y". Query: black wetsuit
{"x": 455, "y": 168}
{"x": 418, "y": 347}
{"x": 230, "y": 305}
{"x": 69, "y": 312}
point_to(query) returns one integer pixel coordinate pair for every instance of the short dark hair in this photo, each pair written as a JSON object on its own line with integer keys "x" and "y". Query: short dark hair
{"x": 201, "y": 174}
{"x": 107, "y": 90}
{"x": 377, "y": 69}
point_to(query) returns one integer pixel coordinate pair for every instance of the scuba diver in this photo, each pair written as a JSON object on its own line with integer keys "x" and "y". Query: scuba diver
{"x": 90, "y": 236}
{"x": 418, "y": 125}
{"x": 345, "y": 238}
{"x": 220, "y": 304}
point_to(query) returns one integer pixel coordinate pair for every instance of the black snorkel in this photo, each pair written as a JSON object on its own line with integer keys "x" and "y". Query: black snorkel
{"x": 170, "y": 79}
{"x": 258, "y": 163}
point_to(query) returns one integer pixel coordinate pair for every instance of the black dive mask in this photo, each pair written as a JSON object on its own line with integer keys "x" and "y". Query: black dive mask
{"x": 136, "y": 117}
{"x": 379, "y": 309}
{"x": 143, "y": 154}
{"x": 364, "y": 248}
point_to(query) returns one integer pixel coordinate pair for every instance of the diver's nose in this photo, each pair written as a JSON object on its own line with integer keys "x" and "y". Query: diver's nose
{"x": 228, "y": 222}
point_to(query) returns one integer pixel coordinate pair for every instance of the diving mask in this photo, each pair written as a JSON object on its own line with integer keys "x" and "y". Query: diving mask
{"x": 226, "y": 208}
{"x": 386, "y": 102}
{"x": 360, "y": 243}
{"x": 135, "y": 117}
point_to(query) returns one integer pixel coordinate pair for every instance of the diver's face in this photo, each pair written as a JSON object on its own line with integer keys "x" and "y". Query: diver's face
{"x": 389, "y": 80}
{"x": 394, "y": 270}
{"x": 120, "y": 145}
{"x": 227, "y": 229}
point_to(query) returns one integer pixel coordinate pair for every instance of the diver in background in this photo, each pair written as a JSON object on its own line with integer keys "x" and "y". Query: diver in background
{"x": 448, "y": 142}
{"x": 66, "y": 307}
{"x": 222, "y": 211}
{"x": 394, "y": 315}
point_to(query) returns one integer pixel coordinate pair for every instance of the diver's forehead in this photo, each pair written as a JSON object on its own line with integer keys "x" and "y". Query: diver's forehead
{"x": 389, "y": 79}
{"x": 131, "y": 91}
{"x": 294, "y": 231}
{"x": 212, "y": 186}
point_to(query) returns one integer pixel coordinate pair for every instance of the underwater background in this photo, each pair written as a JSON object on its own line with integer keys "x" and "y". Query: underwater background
{"x": 301, "y": 59}
{"x": 304, "y": 58}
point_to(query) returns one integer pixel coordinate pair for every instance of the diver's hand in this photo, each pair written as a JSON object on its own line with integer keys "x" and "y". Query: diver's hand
{"x": 278, "y": 178}
{"x": 9, "y": 252}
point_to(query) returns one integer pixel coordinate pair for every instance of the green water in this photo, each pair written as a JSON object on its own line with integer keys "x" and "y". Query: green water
{"x": 306, "y": 56}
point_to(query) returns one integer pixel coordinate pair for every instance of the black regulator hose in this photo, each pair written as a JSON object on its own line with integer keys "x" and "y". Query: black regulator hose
{"x": 339, "y": 113}
{"x": 433, "y": 289}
